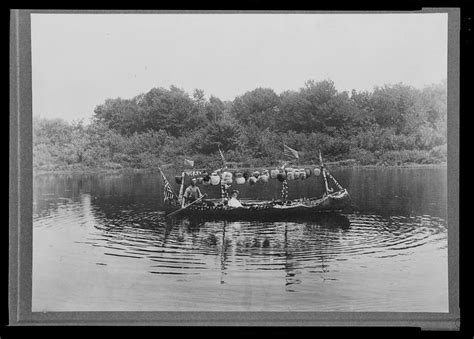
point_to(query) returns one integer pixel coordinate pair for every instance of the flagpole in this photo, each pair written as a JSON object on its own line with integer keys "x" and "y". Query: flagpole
{"x": 323, "y": 169}
{"x": 223, "y": 186}
{"x": 181, "y": 198}
{"x": 222, "y": 157}
{"x": 294, "y": 153}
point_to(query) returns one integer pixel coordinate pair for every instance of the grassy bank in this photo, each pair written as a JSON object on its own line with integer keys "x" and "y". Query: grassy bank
{"x": 401, "y": 162}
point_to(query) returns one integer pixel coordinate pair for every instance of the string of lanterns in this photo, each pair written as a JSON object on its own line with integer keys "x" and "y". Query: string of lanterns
{"x": 227, "y": 177}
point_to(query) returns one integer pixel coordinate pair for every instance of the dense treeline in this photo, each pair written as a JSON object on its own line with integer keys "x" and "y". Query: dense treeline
{"x": 393, "y": 124}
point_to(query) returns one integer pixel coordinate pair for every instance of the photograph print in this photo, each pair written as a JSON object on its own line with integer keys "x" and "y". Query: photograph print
{"x": 292, "y": 162}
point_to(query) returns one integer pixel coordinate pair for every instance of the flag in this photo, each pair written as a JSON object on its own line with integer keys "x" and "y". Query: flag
{"x": 193, "y": 173}
{"x": 222, "y": 157}
{"x": 188, "y": 162}
{"x": 290, "y": 152}
{"x": 167, "y": 190}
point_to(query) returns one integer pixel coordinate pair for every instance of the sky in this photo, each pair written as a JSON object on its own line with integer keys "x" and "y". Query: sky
{"x": 80, "y": 60}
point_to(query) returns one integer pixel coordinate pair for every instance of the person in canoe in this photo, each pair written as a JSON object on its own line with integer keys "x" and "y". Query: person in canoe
{"x": 192, "y": 192}
{"x": 233, "y": 201}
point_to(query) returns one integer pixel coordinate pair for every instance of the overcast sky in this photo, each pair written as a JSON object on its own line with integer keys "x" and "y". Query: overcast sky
{"x": 79, "y": 60}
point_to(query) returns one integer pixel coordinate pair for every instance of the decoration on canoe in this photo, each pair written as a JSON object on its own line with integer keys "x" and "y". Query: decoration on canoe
{"x": 274, "y": 173}
{"x": 264, "y": 176}
{"x": 334, "y": 199}
{"x": 239, "y": 179}
{"x": 226, "y": 178}
{"x": 215, "y": 179}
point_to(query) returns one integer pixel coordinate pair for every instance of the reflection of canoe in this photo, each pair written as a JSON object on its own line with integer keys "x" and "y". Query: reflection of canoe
{"x": 324, "y": 219}
{"x": 275, "y": 209}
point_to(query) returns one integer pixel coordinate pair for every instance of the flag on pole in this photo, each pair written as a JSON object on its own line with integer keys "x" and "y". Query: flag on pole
{"x": 290, "y": 152}
{"x": 222, "y": 157}
{"x": 188, "y": 162}
{"x": 167, "y": 190}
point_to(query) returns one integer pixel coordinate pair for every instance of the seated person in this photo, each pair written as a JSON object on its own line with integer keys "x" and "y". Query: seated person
{"x": 233, "y": 201}
{"x": 192, "y": 193}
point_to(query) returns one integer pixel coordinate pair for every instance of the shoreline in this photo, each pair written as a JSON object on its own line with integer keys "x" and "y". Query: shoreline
{"x": 156, "y": 169}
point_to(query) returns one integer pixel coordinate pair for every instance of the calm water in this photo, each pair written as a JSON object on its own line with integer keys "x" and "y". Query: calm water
{"x": 101, "y": 243}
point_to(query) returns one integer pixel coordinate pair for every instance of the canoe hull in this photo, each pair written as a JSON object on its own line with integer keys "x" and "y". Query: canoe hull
{"x": 315, "y": 208}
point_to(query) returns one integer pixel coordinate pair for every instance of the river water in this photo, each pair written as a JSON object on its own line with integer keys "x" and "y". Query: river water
{"x": 101, "y": 242}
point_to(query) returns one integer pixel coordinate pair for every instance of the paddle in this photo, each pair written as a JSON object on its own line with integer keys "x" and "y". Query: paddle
{"x": 195, "y": 201}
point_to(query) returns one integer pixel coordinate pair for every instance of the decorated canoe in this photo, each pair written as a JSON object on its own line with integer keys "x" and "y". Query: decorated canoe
{"x": 312, "y": 209}
{"x": 333, "y": 200}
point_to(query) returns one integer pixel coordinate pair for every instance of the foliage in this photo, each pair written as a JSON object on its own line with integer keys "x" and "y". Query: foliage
{"x": 393, "y": 124}
{"x": 223, "y": 134}
{"x": 256, "y": 107}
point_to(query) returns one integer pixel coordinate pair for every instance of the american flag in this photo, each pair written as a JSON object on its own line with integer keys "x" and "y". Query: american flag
{"x": 167, "y": 190}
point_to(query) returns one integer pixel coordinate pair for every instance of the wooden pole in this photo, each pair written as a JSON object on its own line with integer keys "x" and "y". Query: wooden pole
{"x": 181, "y": 198}
{"x": 326, "y": 187}
{"x": 335, "y": 181}
{"x": 182, "y": 208}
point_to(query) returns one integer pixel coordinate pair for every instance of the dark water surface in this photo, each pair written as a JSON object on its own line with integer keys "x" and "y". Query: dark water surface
{"x": 102, "y": 243}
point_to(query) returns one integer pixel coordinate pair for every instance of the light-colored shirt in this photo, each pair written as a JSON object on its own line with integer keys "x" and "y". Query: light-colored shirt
{"x": 192, "y": 192}
{"x": 233, "y": 202}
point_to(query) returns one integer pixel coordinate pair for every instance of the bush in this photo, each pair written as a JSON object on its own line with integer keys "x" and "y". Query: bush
{"x": 406, "y": 157}
{"x": 440, "y": 153}
{"x": 112, "y": 165}
{"x": 363, "y": 156}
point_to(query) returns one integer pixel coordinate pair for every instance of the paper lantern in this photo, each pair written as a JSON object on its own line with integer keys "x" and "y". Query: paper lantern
{"x": 296, "y": 174}
{"x": 226, "y": 178}
{"x": 290, "y": 175}
{"x": 215, "y": 179}
{"x": 274, "y": 173}
{"x": 302, "y": 174}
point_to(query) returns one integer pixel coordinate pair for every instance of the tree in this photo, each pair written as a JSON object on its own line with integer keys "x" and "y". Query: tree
{"x": 433, "y": 102}
{"x": 122, "y": 115}
{"x": 171, "y": 110}
{"x": 316, "y": 107}
{"x": 222, "y": 133}
{"x": 257, "y": 107}
{"x": 51, "y": 131}
{"x": 79, "y": 140}
{"x": 362, "y": 115}
{"x": 214, "y": 109}
{"x": 393, "y": 106}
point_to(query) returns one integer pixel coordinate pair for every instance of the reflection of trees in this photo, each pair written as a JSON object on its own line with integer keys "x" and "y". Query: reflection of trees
{"x": 399, "y": 191}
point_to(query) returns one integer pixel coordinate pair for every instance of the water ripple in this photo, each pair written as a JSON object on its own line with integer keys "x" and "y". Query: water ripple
{"x": 186, "y": 246}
